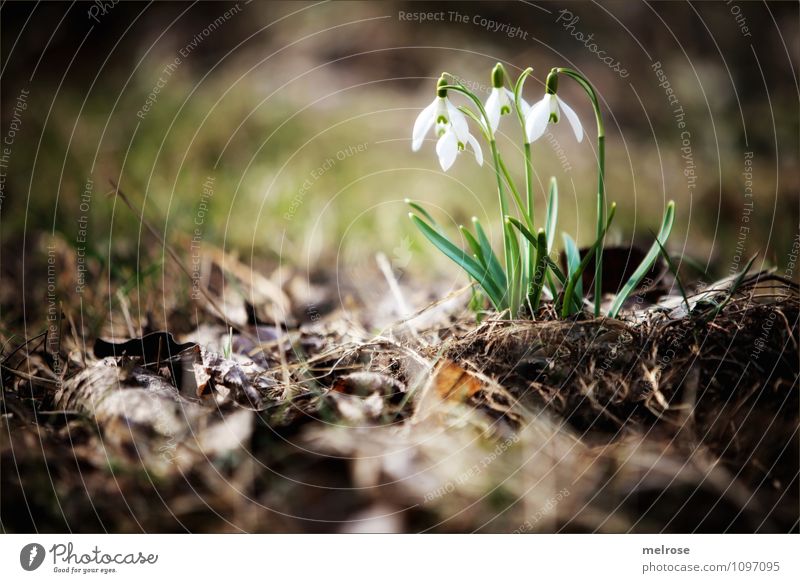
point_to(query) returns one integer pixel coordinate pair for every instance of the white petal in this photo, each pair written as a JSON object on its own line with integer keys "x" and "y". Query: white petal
{"x": 573, "y": 119}
{"x": 536, "y": 122}
{"x": 522, "y": 103}
{"x": 423, "y": 124}
{"x": 492, "y": 107}
{"x": 458, "y": 121}
{"x": 476, "y": 147}
{"x": 447, "y": 149}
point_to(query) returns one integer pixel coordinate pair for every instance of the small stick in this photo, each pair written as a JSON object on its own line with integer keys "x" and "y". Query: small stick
{"x": 394, "y": 287}
{"x": 30, "y": 377}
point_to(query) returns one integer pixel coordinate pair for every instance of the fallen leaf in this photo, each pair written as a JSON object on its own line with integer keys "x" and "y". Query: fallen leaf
{"x": 454, "y": 383}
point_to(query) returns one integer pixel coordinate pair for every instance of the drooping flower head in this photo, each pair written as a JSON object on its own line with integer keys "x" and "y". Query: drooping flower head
{"x": 451, "y": 126}
{"x": 501, "y": 99}
{"x": 548, "y": 109}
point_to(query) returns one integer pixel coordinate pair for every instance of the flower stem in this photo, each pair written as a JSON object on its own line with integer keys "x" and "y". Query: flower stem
{"x": 529, "y": 196}
{"x": 507, "y": 245}
{"x": 601, "y": 186}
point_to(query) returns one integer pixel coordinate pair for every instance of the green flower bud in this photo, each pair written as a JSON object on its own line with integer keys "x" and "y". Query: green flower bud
{"x": 497, "y": 76}
{"x": 439, "y": 87}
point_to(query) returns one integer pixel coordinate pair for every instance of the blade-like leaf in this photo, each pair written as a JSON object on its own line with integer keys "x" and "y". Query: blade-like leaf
{"x": 569, "y": 292}
{"x": 495, "y": 268}
{"x": 560, "y": 276}
{"x": 674, "y": 270}
{"x": 733, "y": 288}
{"x": 474, "y": 245}
{"x": 552, "y": 214}
{"x": 524, "y": 230}
{"x": 646, "y": 263}
{"x": 514, "y": 272}
{"x": 457, "y": 255}
{"x": 573, "y": 261}
{"x": 540, "y": 270}
{"x": 424, "y": 213}
{"x": 563, "y": 279}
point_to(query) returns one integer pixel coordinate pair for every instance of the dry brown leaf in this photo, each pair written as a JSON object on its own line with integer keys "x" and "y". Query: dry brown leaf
{"x": 454, "y": 383}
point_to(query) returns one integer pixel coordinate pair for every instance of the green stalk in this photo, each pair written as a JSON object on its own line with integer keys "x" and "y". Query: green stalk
{"x": 601, "y": 186}
{"x": 517, "y": 197}
{"x": 508, "y": 249}
{"x": 530, "y": 218}
{"x": 529, "y": 195}
{"x": 515, "y": 272}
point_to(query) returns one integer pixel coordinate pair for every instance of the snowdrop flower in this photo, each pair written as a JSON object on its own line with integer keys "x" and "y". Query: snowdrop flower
{"x": 548, "y": 109}
{"x": 501, "y": 99}
{"x": 452, "y": 129}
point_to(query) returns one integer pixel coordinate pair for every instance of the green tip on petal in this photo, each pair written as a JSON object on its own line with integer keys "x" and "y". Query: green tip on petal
{"x": 553, "y": 118}
{"x": 497, "y": 76}
{"x": 505, "y": 110}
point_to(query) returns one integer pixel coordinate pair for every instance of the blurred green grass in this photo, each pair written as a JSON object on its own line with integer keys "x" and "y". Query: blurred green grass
{"x": 263, "y": 128}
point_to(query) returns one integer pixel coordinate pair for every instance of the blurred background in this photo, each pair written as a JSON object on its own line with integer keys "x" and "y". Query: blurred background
{"x": 280, "y": 132}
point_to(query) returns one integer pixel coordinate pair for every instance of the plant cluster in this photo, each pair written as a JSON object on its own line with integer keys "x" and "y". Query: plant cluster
{"x": 515, "y": 284}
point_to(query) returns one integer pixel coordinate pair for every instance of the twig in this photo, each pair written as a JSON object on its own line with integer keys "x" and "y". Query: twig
{"x": 394, "y": 287}
{"x": 30, "y": 377}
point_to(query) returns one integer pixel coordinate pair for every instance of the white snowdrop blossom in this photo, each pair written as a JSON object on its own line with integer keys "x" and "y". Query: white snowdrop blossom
{"x": 452, "y": 130}
{"x": 501, "y": 102}
{"x": 546, "y": 109}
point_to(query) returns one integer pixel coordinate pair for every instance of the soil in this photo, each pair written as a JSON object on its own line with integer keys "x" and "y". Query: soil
{"x": 660, "y": 421}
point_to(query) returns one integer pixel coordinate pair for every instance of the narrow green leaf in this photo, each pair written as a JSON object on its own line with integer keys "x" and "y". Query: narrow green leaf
{"x": 474, "y": 245}
{"x": 560, "y": 276}
{"x": 674, "y": 270}
{"x": 734, "y": 287}
{"x": 551, "y": 214}
{"x": 563, "y": 279}
{"x": 514, "y": 272}
{"x": 573, "y": 261}
{"x": 569, "y": 292}
{"x": 524, "y": 230}
{"x": 540, "y": 270}
{"x": 424, "y": 213}
{"x": 495, "y": 268}
{"x": 457, "y": 255}
{"x": 646, "y": 263}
